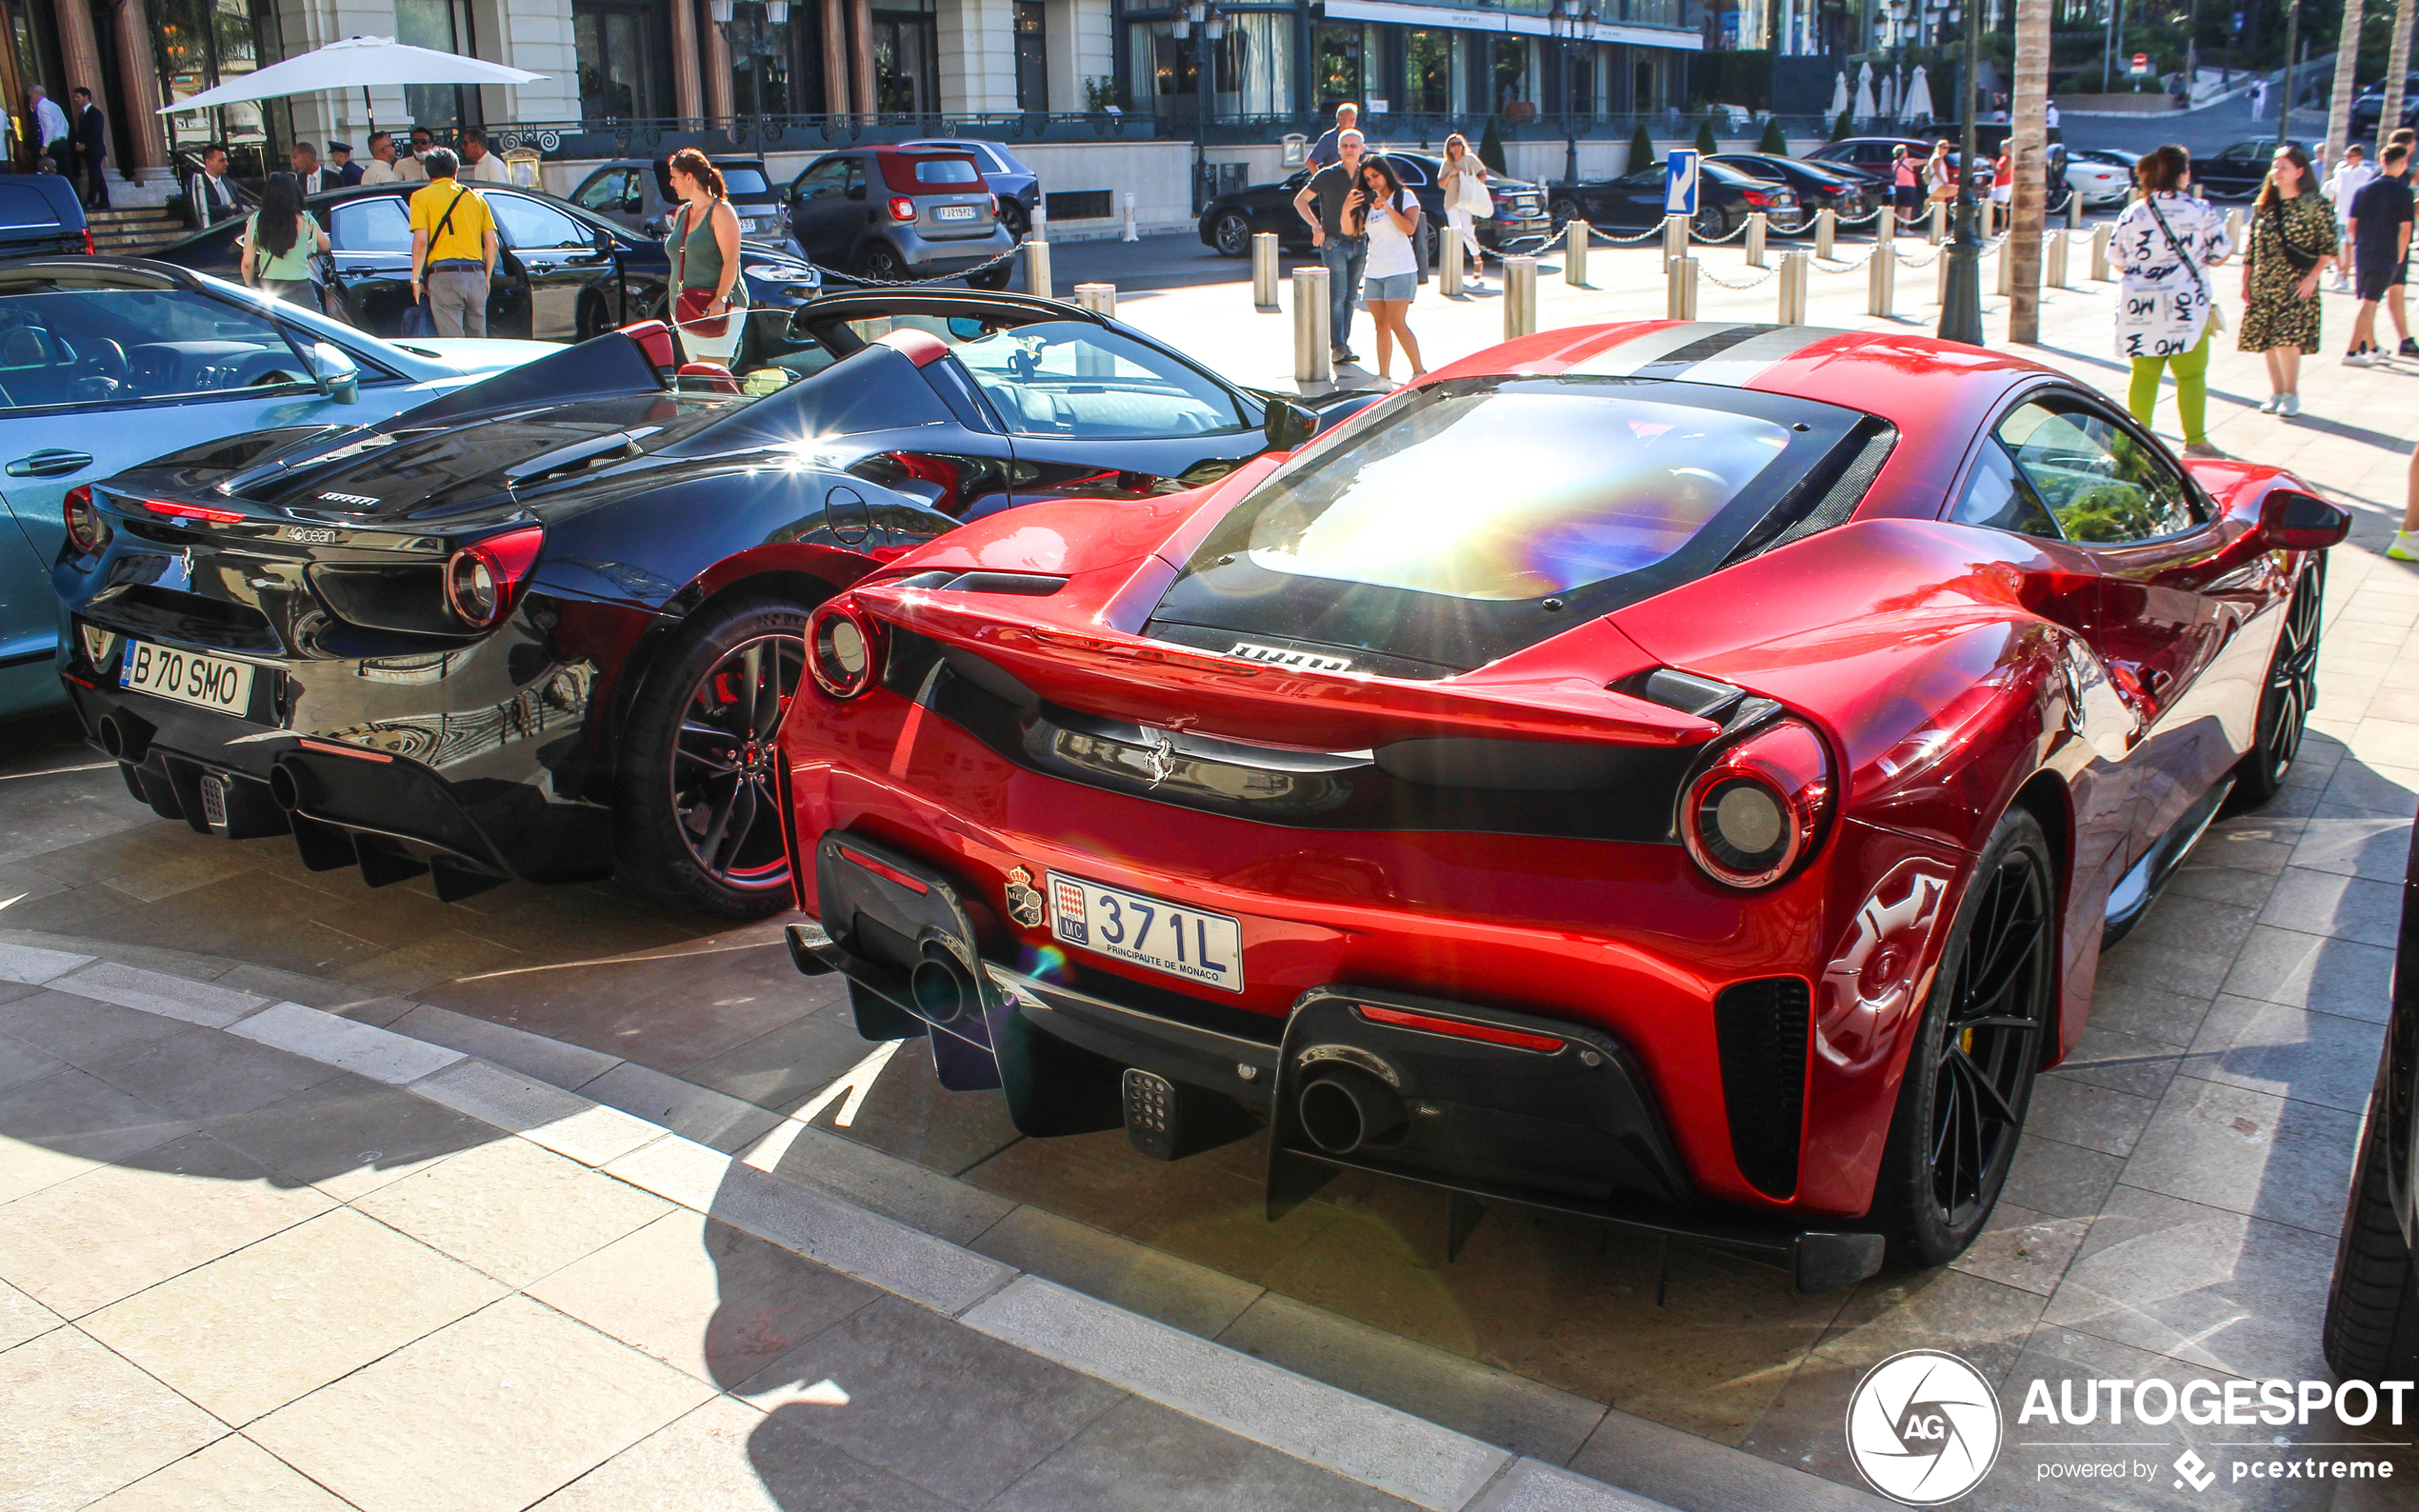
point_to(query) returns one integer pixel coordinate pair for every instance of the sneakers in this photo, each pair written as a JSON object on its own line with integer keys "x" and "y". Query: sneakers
{"x": 2405, "y": 548}
{"x": 1345, "y": 354}
{"x": 2272, "y": 404}
{"x": 2409, "y": 347}
{"x": 2365, "y": 357}
{"x": 2201, "y": 448}
{"x": 2289, "y": 404}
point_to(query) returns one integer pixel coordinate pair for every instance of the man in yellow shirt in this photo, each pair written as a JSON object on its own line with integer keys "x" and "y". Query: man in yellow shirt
{"x": 453, "y": 248}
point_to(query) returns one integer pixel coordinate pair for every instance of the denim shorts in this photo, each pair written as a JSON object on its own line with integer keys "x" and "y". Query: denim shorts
{"x": 1401, "y": 288}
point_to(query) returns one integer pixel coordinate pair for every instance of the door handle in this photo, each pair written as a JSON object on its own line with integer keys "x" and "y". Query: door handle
{"x": 49, "y": 463}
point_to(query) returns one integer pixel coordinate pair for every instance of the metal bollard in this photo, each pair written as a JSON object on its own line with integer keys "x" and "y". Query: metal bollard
{"x": 2074, "y": 211}
{"x": 1313, "y": 356}
{"x": 2234, "y": 230}
{"x": 1680, "y": 288}
{"x": 2053, "y": 260}
{"x": 1939, "y": 222}
{"x": 1575, "y": 254}
{"x": 1099, "y": 298}
{"x": 1520, "y": 297}
{"x": 1756, "y": 224}
{"x": 1881, "y": 274}
{"x": 1826, "y": 231}
{"x": 1940, "y": 278}
{"x": 1131, "y": 234}
{"x": 2100, "y": 253}
{"x": 1450, "y": 259}
{"x": 1676, "y": 237}
{"x": 1263, "y": 269}
{"x": 1794, "y": 267}
{"x": 1037, "y": 264}
{"x": 2007, "y": 270}
{"x": 1093, "y": 361}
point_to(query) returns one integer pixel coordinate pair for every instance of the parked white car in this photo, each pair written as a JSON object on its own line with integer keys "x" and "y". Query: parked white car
{"x": 2101, "y": 178}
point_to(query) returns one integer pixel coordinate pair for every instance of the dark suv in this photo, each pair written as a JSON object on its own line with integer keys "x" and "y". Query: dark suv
{"x": 899, "y": 213}
{"x": 637, "y": 192}
{"x": 40, "y": 216}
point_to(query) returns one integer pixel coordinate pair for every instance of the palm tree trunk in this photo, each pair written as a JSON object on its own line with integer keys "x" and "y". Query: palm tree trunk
{"x": 2346, "y": 85}
{"x": 2028, "y": 155}
{"x": 2397, "y": 64}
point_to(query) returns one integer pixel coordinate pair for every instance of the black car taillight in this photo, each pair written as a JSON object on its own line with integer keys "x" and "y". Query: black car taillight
{"x": 844, "y": 649}
{"x": 484, "y": 579}
{"x": 1752, "y": 816}
{"x": 86, "y": 532}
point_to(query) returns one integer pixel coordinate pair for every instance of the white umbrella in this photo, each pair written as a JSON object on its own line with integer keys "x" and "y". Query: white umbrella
{"x": 1889, "y": 94}
{"x": 1839, "y": 95}
{"x": 1863, "y": 92}
{"x": 354, "y": 63}
{"x": 1918, "y": 97}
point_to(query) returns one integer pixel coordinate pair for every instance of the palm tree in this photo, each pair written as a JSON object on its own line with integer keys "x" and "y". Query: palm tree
{"x": 2397, "y": 61}
{"x": 2347, "y": 83}
{"x": 2028, "y": 154}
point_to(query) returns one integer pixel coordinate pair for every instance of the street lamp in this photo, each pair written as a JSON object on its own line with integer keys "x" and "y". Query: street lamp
{"x": 1574, "y": 27}
{"x": 1961, "y": 302}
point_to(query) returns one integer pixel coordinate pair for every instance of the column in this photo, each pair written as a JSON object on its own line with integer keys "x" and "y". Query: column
{"x": 81, "y": 57}
{"x": 688, "y": 95}
{"x": 717, "y": 73}
{"x": 835, "y": 58}
{"x": 147, "y": 147}
{"x": 861, "y": 61}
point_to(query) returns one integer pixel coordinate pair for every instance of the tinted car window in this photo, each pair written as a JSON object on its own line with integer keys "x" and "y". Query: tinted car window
{"x": 1998, "y": 497}
{"x": 23, "y": 206}
{"x": 371, "y": 226}
{"x": 822, "y": 178}
{"x": 1066, "y": 378}
{"x": 603, "y": 192}
{"x": 946, "y": 171}
{"x": 124, "y": 346}
{"x": 1419, "y": 503}
{"x": 2101, "y": 484}
{"x": 745, "y": 181}
{"x": 1414, "y": 175}
{"x": 525, "y": 223}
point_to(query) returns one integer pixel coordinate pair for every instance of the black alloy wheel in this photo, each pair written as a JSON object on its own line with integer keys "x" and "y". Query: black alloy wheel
{"x": 1231, "y": 233}
{"x": 1015, "y": 217}
{"x": 2284, "y": 702}
{"x": 696, "y": 823}
{"x": 1562, "y": 212}
{"x": 881, "y": 260}
{"x": 1711, "y": 223}
{"x": 1969, "y": 1073}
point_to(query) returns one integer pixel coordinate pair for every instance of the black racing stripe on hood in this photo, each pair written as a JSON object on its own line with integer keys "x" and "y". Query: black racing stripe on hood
{"x": 1676, "y": 363}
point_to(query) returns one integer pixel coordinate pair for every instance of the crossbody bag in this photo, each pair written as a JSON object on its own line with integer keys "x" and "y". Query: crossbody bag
{"x": 690, "y": 308}
{"x": 2217, "y": 313}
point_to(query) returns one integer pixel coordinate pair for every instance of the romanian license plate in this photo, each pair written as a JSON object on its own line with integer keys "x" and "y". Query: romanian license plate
{"x": 954, "y": 213}
{"x": 1182, "y": 942}
{"x": 209, "y": 682}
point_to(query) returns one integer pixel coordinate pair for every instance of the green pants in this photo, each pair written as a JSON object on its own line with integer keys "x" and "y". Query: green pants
{"x": 2191, "y": 388}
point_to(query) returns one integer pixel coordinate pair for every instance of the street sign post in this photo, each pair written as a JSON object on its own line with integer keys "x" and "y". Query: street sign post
{"x": 1680, "y": 184}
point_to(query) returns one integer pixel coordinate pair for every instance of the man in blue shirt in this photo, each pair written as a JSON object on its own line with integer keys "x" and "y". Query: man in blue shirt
{"x": 1327, "y": 149}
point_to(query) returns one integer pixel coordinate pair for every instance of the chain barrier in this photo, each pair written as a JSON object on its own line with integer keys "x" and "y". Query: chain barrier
{"x": 1713, "y": 277}
{"x": 1599, "y": 234}
{"x": 1904, "y": 261}
{"x": 983, "y": 267}
{"x": 1736, "y": 231}
{"x": 1841, "y": 264}
{"x": 1868, "y": 217}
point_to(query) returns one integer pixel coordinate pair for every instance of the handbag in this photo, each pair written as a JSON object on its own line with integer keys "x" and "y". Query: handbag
{"x": 1475, "y": 197}
{"x": 2217, "y": 311}
{"x": 690, "y": 308}
{"x": 2302, "y": 262}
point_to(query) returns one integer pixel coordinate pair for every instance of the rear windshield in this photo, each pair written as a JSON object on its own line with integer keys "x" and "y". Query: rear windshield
{"x": 22, "y": 205}
{"x": 1455, "y": 522}
{"x": 745, "y": 181}
{"x": 946, "y": 171}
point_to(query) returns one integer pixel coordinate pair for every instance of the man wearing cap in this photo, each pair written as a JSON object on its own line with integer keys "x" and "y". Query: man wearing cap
{"x": 340, "y": 160}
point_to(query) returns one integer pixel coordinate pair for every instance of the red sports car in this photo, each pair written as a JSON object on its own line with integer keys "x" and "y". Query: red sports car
{"x": 1678, "y": 773}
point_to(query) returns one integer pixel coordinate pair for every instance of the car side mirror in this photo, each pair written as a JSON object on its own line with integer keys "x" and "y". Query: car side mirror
{"x": 604, "y": 240}
{"x": 2290, "y": 520}
{"x": 1288, "y": 425}
{"x": 339, "y": 375}
{"x": 654, "y": 227}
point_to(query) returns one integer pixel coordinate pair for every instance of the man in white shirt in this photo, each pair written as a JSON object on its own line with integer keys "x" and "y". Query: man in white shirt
{"x": 2341, "y": 187}
{"x": 479, "y": 166}
{"x": 381, "y": 167}
{"x": 49, "y": 128}
{"x": 409, "y": 169}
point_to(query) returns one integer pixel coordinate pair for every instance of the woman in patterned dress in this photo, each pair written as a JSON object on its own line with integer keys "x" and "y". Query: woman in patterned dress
{"x": 2292, "y": 239}
{"x": 2164, "y": 247}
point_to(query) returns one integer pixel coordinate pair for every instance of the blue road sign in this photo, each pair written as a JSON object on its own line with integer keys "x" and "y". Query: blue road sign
{"x": 1680, "y": 184}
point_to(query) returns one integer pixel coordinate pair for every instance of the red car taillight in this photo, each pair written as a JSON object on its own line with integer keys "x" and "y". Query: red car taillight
{"x": 86, "y": 531}
{"x": 1748, "y": 818}
{"x": 1755, "y": 197}
{"x": 89, "y": 251}
{"x": 193, "y": 511}
{"x": 484, "y": 579}
{"x": 844, "y": 649}
{"x": 902, "y": 208}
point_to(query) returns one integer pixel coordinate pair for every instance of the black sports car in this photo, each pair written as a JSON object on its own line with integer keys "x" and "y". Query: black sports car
{"x": 1724, "y": 199}
{"x": 565, "y": 273}
{"x": 542, "y": 627}
{"x": 1229, "y": 220}
{"x": 1843, "y": 193}
{"x": 2372, "y": 1312}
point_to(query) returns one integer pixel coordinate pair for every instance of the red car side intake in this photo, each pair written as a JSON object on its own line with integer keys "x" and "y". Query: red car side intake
{"x": 1679, "y": 773}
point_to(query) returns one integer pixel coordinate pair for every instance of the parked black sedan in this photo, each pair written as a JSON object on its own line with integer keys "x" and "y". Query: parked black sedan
{"x": 540, "y": 627}
{"x": 2372, "y": 1314}
{"x": 1228, "y": 222}
{"x": 1724, "y": 199}
{"x": 1818, "y": 187}
{"x": 2237, "y": 171}
{"x": 565, "y": 273}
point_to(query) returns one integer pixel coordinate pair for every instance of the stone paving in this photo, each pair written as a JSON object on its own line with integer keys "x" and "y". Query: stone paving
{"x": 2174, "y": 1213}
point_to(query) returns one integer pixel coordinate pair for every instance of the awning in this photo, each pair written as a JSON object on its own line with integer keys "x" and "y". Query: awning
{"x": 1455, "y": 19}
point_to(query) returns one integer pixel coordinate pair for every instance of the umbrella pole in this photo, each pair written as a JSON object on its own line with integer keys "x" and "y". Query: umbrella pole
{"x": 371, "y": 110}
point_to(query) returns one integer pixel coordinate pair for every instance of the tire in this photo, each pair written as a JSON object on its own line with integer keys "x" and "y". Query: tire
{"x": 2285, "y": 700}
{"x": 1230, "y": 235}
{"x": 992, "y": 279}
{"x": 2372, "y": 1310}
{"x": 694, "y": 823}
{"x": 881, "y": 260}
{"x": 1563, "y": 213}
{"x": 592, "y": 318}
{"x": 1961, "y": 1113}
{"x": 1016, "y": 218}
{"x": 1711, "y": 223}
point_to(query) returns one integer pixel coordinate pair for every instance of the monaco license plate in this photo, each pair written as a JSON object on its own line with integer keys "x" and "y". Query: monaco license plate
{"x": 189, "y": 677}
{"x": 954, "y": 213}
{"x": 1170, "y": 937}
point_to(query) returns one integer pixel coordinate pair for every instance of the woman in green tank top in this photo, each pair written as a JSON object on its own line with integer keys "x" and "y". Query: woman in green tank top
{"x": 277, "y": 242}
{"x": 703, "y": 245}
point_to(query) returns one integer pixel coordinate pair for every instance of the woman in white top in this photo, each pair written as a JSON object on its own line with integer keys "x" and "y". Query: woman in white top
{"x": 1464, "y": 181}
{"x": 1390, "y": 281}
{"x": 2163, "y": 247}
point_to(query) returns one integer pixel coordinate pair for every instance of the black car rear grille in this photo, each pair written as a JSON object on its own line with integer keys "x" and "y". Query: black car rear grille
{"x": 146, "y": 609}
{"x": 1761, "y": 1029}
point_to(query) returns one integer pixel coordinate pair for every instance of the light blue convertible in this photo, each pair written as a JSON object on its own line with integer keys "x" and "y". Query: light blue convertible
{"x": 106, "y": 363}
